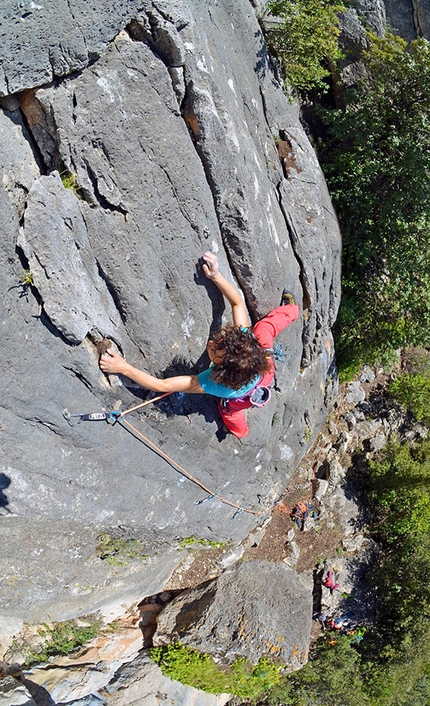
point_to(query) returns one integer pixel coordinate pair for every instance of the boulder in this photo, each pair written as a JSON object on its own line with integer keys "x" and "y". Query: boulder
{"x": 257, "y": 609}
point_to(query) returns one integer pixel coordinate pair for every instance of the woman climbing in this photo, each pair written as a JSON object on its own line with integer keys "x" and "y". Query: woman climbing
{"x": 242, "y": 367}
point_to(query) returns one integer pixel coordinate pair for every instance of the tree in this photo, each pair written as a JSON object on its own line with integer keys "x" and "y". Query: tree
{"x": 305, "y": 37}
{"x": 377, "y": 162}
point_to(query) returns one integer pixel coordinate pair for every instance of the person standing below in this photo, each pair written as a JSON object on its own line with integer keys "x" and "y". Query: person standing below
{"x": 241, "y": 368}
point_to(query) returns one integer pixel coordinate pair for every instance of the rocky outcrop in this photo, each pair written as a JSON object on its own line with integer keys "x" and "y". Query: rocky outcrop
{"x": 410, "y": 20}
{"x": 176, "y": 145}
{"x": 373, "y": 14}
{"x": 84, "y": 683}
{"x": 407, "y": 19}
{"x": 256, "y": 609}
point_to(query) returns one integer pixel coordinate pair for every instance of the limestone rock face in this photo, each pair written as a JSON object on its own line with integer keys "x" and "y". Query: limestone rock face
{"x": 181, "y": 140}
{"x": 374, "y": 14}
{"x": 256, "y": 609}
{"x": 40, "y": 42}
{"x": 14, "y": 694}
{"x": 410, "y": 20}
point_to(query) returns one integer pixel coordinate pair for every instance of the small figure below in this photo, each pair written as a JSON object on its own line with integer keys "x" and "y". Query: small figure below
{"x": 321, "y": 616}
{"x": 241, "y": 369}
{"x": 300, "y": 513}
{"x": 330, "y": 583}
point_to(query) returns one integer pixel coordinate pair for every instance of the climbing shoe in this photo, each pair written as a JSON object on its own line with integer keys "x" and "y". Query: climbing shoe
{"x": 287, "y": 298}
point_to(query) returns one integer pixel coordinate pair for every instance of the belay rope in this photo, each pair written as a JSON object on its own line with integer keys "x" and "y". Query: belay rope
{"x": 117, "y": 416}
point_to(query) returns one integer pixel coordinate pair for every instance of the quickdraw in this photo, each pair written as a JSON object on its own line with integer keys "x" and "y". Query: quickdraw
{"x": 109, "y": 417}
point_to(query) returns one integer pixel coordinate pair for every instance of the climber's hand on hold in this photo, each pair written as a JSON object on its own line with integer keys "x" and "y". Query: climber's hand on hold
{"x": 112, "y": 363}
{"x": 210, "y": 265}
{"x": 228, "y": 290}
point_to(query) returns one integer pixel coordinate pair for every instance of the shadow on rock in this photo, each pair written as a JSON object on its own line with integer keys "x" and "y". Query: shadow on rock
{"x": 181, "y": 403}
{"x": 38, "y": 693}
{"x": 4, "y": 483}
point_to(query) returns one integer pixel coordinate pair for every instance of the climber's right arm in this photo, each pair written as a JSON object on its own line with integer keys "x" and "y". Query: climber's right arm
{"x": 238, "y": 310}
{"x": 113, "y": 364}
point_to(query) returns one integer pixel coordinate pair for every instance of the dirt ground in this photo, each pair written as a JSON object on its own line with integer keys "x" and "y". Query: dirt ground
{"x": 323, "y": 542}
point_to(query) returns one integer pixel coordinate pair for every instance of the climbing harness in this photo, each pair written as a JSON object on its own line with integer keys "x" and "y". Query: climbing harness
{"x": 258, "y": 396}
{"x": 117, "y": 416}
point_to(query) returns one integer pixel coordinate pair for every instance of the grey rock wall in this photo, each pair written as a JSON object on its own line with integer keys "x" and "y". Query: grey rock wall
{"x": 409, "y": 19}
{"x": 182, "y": 140}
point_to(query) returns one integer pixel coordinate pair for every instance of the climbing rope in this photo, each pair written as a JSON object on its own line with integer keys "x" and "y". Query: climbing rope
{"x": 117, "y": 416}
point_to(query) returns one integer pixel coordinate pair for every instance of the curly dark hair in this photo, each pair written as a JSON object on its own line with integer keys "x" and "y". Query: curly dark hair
{"x": 244, "y": 358}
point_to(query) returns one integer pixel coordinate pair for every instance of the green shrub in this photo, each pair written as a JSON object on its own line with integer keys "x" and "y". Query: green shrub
{"x": 332, "y": 677}
{"x": 70, "y": 181}
{"x": 399, "y": 491}
{"x": 61, "y": 638}
{"x": 399, "y": 496}
{"x": 196, "y": 669}
{"x": 413, "y": 392}
{"x": 305, "y": 37}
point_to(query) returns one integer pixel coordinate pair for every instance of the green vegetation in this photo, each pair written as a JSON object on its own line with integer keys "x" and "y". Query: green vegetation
{"x": 307, "y": 434}
{"x": 60, "y": 639}
{"x": 331, "y": 677}
{"x": 70, "y": 181}
{"x": 376, "y": 158}
{"x": 191, "y": 541}
{"x": 399, "y": 497}
{"x": 26, "y": 278}
{"x": 412, "y": 387}
{"x": 413, "y": 392}
{"x": 305, "y": 39}
{"x": 196, "y": 669}
{"x": 117, "y": 551}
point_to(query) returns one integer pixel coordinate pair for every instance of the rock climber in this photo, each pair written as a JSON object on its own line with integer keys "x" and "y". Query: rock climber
{"x": 330, "y": 582}
{"x": 241, "y": 368}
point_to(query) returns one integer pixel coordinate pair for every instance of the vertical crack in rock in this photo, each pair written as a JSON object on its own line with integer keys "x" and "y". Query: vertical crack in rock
{"x": 287, "y": 159}
{"x": 114, "y": 295}
{"x": 228, "y": 236}
{"x": 103, "y": 201}
{"x": 306, "y": 303}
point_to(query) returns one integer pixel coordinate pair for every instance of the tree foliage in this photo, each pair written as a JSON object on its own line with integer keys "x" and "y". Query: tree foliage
{"x": 305, "y": 39}
{"x": 377, "y": 162}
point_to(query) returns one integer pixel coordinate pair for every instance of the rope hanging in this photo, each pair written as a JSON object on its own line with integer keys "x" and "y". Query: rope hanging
{"x": 118, "y": 416}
